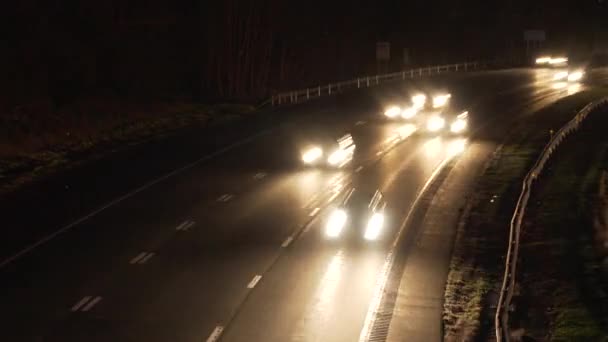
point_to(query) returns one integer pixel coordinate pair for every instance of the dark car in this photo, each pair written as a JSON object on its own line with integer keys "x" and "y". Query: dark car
{"x": 360, "y": 213}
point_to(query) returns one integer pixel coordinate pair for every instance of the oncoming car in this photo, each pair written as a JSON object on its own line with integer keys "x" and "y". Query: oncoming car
{"x": 575, "y": 75}
{"x": 451, "y": 124}
{"x": 360, "y": 214}
{"x": 329, "y": 152}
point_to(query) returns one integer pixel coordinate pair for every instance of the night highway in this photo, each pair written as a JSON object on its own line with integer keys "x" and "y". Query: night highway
{"x": 234, "y": 247}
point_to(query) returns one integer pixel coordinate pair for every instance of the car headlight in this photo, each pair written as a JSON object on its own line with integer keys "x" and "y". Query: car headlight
{"x": 561, "y": 75}
{"x": 435, "y": 123}
{"x": 558, "y": 60}
{"x": 336, "y": 222}
{"x": 575, "y": 76}
{"x": 419, "y": 100}
{"x": 441, "y": 100}
{"x": 543, "y": 60}
{"x": 312, "y": 154}
{"x": 374, "y": 226}
{"x": 458, "y": 126}
{"x": 409, "y": 113}
{"x": 392, "y": 111}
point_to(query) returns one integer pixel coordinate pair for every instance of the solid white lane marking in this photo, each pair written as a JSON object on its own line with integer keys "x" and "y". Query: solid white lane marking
{"x": 287, "y": 242}
{"x": 259, "y": 175}
{"x": 144, "y": 260}
{"x": 254, "y": 281}
{"x": 225, "y": 198}
{"x": 128, "y": 195}
{"x": 91, "y": 304}
{"x": 215, "y": 334}
{"x": 81, "y": 303}
{"x": 138, "y": 258}
{"x": 314, "y": 212}
{"x": 359, "y": 169}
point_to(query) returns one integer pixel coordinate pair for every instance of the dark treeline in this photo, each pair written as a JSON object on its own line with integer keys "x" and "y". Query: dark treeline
{"x": 56, "y": 51}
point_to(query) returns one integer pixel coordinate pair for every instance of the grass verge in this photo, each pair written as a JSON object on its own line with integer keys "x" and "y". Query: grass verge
{"x": 480, "y": 247}
{"x": 34, "y": 145}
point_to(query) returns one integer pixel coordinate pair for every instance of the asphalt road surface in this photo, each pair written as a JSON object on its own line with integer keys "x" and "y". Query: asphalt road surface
{"x": 232, "y": 247}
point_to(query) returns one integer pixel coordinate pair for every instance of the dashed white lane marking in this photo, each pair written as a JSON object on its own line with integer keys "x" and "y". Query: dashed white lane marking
{"x": 254, "y": 281}
{"x": 314, "y": 211}
{"x": 81, "y": 303}
{"x": 185, "y": 225}
{"x": 91, "y": 304}
{"x": 359, "y": 169}
{"x": 259, "y": 175}
{"x": 215, "y": 334}
{"x": 225, "y": 198}
{"x": 86, "y": 304}
{"x": 128, "y": 195}
{"x": 360, "y": 122}
{"x": 287, "y": 242}
{"x": 138, "y": 258}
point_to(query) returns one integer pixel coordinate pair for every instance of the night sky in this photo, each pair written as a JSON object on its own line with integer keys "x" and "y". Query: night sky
{"x": 250, "y": 48}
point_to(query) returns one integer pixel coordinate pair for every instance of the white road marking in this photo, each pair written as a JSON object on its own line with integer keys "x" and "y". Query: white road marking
{"x": 215, "y": 334}
{"x": 360, "y": 122}
{"x": 81, "y": 303}
{"x": 138, "y": 258}
{"x": 359, "y": 168}
{"x": 254, "y": 281}
{"x": 259, "y": 175}
{"x": 314, "y": 212}
{"x": 186, "y": 225}
{"x": 333, "y": 197}
{"x": 128, "y": 195}
{"x": 182, "y": 225}
{"x": 287, "y": 242}
{"x": 144, "y": 260}
{"x": 91, "y": 304}
{"x": 225, "y": 198}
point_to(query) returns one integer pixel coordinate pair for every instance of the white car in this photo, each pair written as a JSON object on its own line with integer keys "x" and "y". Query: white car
{"x": 360, "y": 214}
{"x": 333, "y": 153}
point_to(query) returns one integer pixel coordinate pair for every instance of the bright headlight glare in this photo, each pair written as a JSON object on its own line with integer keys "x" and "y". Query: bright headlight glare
{"x": 338, "y": 157}
{"x": 374, "y": 226}
{"x": 458, "y": 126}
{"x": 392, "y": 111}
{"x": 409, "y": 113}
{"x": 558, "y": 60}
{"x": 575, "y": 76}
{"x": 419, "y": 100}
{"x": 312, "y": 154}
{"x": 561, "y": 75}
{"x": 441, "y": 100}
{"x": 336, "y": 223}
{"x": 543, "y": 60}
{"x": 435, "y": 123}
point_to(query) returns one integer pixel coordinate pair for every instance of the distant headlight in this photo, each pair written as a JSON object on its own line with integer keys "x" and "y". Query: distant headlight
{"x": 336, "y": 223}
{"x": 561, "y": 75}
{"x": 312, "y": 154}
{"x": 419, "y": 100}
{"x": 558, "y": 60}
{"x": 374, "y": 226}
{"x": 435, "y": 123}
{"x": 543, "y": 60}
{"x": 392, "y": 111}
{"x": 441, "y": 100}
{"x": 409, "y": 113}
{"x": 458, "y": 126}
{"x": 575, "y": 76}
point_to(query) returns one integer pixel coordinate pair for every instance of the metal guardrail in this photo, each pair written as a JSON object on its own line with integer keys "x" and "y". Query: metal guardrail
{"x": 302, "y": 95}
{"x": 501, "y": 319}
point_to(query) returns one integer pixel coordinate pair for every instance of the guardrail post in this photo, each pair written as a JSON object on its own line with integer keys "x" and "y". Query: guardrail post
{"x": 319, "y": 91}
{"x": 377, "y": 79}
{"x": 295, "y": 97}
{"x": 272, "y": 100}
{"x": 456, "y": 67}
{"x": 358, "y": 83}
{"x": 403, "y": 75}
{"x": 368, "y": 81}
{"x": 466, "y": 65}
{"x": 420, "y": 71}
{"x": 279, "y": 99}
{"x": 339, "y": 87}
{"x": 307, "y": 93}
{"x": 329, "y": 87}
